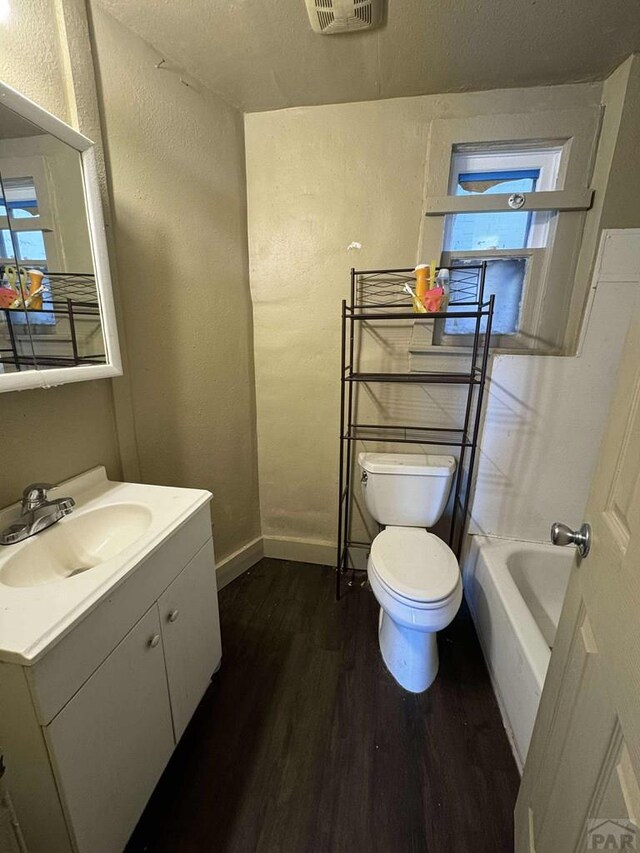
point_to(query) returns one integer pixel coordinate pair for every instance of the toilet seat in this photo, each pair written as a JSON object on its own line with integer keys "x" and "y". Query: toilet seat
{"x": 416, "y": 581}
{"x": 415, "y": 566}
{"x": 401, "y": 603}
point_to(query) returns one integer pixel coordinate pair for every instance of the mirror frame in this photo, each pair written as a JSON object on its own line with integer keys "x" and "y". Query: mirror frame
{"x": 20, "y": 380}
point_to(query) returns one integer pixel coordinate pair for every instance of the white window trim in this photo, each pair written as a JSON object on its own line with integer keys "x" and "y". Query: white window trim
{"x": 547, "y": 160}
{"x": 471, "y": 159}
{"x": 544, "y": 314}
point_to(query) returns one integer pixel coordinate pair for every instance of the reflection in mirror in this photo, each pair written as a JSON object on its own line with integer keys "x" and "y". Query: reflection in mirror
{"x": 49, "y": 306}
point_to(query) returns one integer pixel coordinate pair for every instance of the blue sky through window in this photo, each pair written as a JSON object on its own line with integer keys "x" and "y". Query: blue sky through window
{"x": 490, "y": 231}
{"x": 486, "y": 231}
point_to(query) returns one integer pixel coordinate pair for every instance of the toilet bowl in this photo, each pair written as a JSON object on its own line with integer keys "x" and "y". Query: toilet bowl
{"x": 415, "y": 578}
{"x": 413, "y": 574}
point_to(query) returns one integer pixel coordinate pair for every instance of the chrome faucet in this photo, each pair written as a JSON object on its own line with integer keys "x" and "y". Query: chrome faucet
{"x": 38, "y": 513}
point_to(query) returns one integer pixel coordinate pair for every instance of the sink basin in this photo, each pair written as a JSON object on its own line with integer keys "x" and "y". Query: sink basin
{"x": 76, "y": 545}
{"x": 49, "y": 582}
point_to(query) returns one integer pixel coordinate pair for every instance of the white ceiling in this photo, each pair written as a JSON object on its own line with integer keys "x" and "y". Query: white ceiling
{"x": 263, "y": 55}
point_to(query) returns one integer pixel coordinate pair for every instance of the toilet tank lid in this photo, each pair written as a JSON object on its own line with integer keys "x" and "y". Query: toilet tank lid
{"x": 416, "y": 564}
{"x": 420, "y": 464}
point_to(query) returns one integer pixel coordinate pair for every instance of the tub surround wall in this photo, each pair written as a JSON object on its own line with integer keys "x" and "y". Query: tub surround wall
{"x": 320, "y": 178}
{"x": 545, "y": 415}
{"x": 614, "y": 205}
{"x": 176, "y": 158}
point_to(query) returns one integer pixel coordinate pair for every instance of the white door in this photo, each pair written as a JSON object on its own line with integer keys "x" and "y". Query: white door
{"x": 581, "y": 783}
{"x": 191, "y": 635}
{"x": 110, "y": 743}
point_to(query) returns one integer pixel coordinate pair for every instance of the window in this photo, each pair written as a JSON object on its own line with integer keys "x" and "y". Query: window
{"x": 20, "y": 241}
{"x": 474, "y": 166}
{"x": 507, "y": 240}
{"x": 18, "y": 202}
{"x": 21, "y": 203}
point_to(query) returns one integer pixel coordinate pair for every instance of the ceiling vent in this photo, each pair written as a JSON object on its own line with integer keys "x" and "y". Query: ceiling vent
{"x": 330, "y": 17}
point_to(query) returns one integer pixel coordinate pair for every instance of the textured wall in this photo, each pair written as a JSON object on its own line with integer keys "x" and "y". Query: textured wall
{"x": 318, "y": 179}
{"x": 55, "y": 433}
{"x": 177, "y": 168}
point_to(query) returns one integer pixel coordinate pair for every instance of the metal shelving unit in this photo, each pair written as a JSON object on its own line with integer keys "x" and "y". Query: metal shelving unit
{"x": 378, "y": 295}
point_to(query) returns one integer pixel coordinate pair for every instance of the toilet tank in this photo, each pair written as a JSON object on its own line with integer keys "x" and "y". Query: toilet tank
{"x": 406, "y": 489}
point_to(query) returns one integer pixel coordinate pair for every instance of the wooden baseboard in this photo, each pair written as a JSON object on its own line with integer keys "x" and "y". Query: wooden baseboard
{"x": 300, "y": 550}
{"x": 235, "y": 564}
{"x": 280, "y": 548}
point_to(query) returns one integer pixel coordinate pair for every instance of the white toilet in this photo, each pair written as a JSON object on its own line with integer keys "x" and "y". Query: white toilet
{"x": 414, "y": 575}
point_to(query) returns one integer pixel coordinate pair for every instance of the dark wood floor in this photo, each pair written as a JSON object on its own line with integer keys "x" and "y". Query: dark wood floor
{"x": 305, "y": 744}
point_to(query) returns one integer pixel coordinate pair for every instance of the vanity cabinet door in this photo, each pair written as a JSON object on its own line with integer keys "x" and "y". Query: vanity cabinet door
{"x": 111, "y": 742}
{"x": 191, "y": 635}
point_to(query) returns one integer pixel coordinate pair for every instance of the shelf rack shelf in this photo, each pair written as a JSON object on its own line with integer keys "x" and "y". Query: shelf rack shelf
{"x": 70, "y": 301}
{"x": 378, "y": 295}
{"x": 416, "y": 378}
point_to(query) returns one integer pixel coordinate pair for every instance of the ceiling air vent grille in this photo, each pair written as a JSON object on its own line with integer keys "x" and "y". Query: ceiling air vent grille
{"x": 363, "y": 13}
{"x": 343, "y": 16}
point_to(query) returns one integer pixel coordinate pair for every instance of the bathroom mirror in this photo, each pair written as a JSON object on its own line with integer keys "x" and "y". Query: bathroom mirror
{"x": 57, "y": 321}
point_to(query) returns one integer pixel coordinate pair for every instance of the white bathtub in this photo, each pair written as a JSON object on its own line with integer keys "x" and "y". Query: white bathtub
{"x": 515, "y": 592}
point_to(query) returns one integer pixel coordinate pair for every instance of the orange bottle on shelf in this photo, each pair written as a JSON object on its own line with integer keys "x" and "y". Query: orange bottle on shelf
{"x": 423, "y": 276}
{"x": 35, "y": 289}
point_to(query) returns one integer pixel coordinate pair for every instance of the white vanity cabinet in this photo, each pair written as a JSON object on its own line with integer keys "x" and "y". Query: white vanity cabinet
{"x": 188, "y": 613}
{"x": 88, "y": 729}
{"x": 111, "y": 742}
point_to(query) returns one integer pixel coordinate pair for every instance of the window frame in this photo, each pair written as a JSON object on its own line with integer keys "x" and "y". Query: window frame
{"x": 494, "y": 158}
{"x": 530, "y": 306}
{"x": 544, "y": 313}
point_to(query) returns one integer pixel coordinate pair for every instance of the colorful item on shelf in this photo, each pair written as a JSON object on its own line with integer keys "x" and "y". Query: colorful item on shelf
{"x": 20, "y": 294}
{"x": 418, "y": 305}
{"x": 10, "y": 274}
{"x": 16, "y": 277}
{"x": 443, "y": 281}
{"x": 7, "y": 296}
{"x": 34, "y": 302}
{"x": 433, "y": 299}
{"x": 17, "y": 303}
{"x": 423, "y": 277}
{"x": 9, "y": 291}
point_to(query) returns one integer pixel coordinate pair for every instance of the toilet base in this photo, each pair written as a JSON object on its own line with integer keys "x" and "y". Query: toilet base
{"x": 411, "y": 656}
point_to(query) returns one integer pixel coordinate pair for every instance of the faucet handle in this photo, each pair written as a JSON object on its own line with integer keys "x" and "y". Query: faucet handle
{"x": 35, "y": 494}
